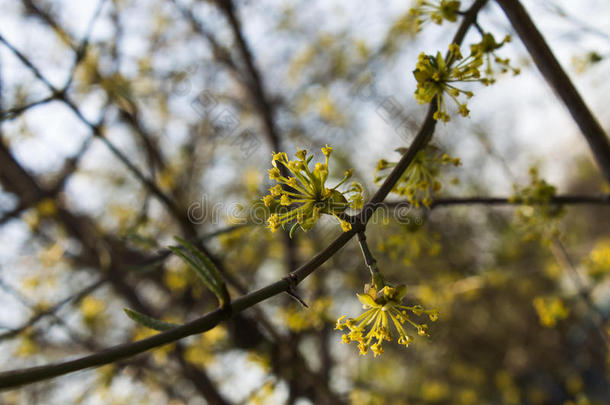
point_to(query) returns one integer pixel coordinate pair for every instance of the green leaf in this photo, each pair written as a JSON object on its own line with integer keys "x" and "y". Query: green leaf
{"x": 195, "y": 266}
{"x": 209, "y": 265}
{"x": 400, "y": 293}
{"x": 367, "y": 301}
{"x": 203, "y": 267}
{"x": 149, "y": 322}
{"x": 294, "y": 227}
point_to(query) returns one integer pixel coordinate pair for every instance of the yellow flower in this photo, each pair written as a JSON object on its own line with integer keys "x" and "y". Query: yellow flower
{"x": 550, "y": 310}
{"x": 537, "y": 215}
{"x": 435, "y": 77}
{"x": 91, "y": 309}
{"x": 304, "y": 195}
{"x": 419, "y": 182}
{"x": 598, "y": 263}
{"x": 274, "y": 222}
{"x": 346, "y": 226}
{"x": 276, "y": 190}
{"x": 267, "y": 200}
{"x": 486, "y": 48}
{"x": 435, "y": 11}
{"x": 278, "y": 156}
{"x": 274, "y": 173}
{"x": 300, "y": 154}
{"x": 383, "y": 308}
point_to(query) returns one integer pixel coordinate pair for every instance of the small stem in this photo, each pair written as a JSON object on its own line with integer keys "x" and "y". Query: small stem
{"x": 565, "y": 261}
{"x": 370, "y": 261}
{"x": 479, "y": 28}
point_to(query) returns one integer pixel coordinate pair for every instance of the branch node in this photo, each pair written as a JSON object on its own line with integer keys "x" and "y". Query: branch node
{"x": 292, "y": 281}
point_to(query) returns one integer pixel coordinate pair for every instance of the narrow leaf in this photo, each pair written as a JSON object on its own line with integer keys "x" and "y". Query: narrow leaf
{"x": 149, "y": 322}
{"x": 196, "y": 267}
{"x": 204, "y": 268}
{"x": 205, "y": 260}
{"x": 294, "y": 227}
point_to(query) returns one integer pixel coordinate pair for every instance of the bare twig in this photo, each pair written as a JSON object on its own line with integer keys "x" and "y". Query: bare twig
{"x": 52, "y": 310}
{"x": 557, "y": 200}
{"x": 371, "y": 262}
{"x": 563, "y": 258}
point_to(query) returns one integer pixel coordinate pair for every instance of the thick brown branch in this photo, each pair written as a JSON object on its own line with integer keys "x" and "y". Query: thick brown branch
{"x": 560, "y": 82}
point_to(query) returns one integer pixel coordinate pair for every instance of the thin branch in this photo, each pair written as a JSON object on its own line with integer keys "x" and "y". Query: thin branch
{"x": 561, "y": 13}
{"x": 560, "y": 82}
{"x": 10, "y": 214}
{"x": 52, "y": 310}
{"x": 558, "y": 200}
{"x": 564, "y": 259}
{"x": 427, "y": 129}
{"x": 30, "y": 66}
{"x": 221, "y": 54}
{"x": 16, "y": 378}
{"x": 81, "y": 50}
{"x": 255, "y": 83}
{"x": 15, "y": 112}
{"x": 370, "y": 261}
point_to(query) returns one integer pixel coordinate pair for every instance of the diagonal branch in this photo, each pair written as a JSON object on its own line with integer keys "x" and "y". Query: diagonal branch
{"x": 560, "y": 82}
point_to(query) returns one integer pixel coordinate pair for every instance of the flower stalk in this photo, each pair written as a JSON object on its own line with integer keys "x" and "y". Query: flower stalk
{"x": 376, "y": 277}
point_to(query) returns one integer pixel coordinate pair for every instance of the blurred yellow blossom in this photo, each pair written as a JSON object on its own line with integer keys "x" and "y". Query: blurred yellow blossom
{"x": 550, "y": 310}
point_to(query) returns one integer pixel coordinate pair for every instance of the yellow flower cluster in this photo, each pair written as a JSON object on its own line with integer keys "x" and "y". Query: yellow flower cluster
{"x": 382, "y": 308}
{"x": 598, "y": 263}
{"x": 298, "y": 320}
{"x": 302, "y": 196}
{"x": 538, "y": 192}
{"x": 550, "y": 310}
{"x": 408, "y": 242}
{"x": 435, "y": 11}
{"x": 92, "y": 308}
{"x": 538, "y": 215}
{"x": 435, "y": 75}
{"x": 419, "y": 182}
{"x": 486, "y": 48}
